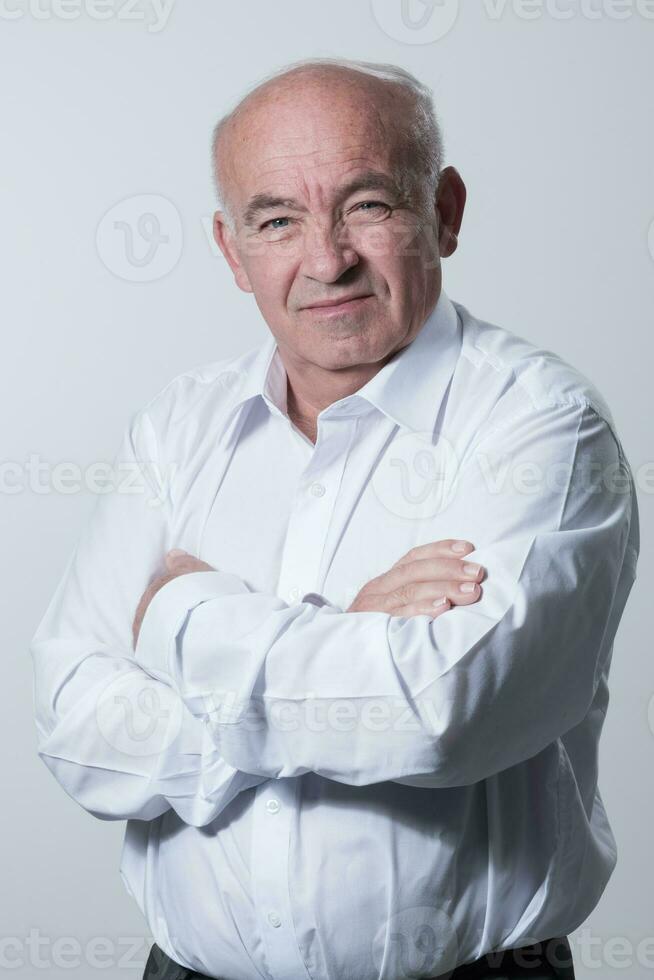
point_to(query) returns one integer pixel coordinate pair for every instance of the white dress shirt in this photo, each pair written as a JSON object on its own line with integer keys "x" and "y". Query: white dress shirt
{"x": 312, "y": 793}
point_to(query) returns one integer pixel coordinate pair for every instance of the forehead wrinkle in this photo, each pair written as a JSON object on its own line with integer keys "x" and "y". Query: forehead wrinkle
{"x": 359, "y": 170}
{"x": 254, "y": 124}
{"x": 323, "y": 156}
{"x": 284, "y": 165}
{"x": 287, "y": 165}
{"x": 313, "y": 177}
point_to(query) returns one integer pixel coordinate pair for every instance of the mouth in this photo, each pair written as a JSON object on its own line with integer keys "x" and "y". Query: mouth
{"x": 342, "y": 306}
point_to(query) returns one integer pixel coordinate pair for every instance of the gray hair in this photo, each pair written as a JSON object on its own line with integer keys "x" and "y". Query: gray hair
{"x": 420, "y": 132}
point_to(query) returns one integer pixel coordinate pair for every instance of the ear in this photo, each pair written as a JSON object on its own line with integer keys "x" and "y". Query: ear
{"x": 226, "y": 242}
{"x": 450, "y": 204}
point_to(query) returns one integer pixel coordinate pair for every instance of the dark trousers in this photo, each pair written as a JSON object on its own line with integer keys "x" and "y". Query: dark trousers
{"x": 547, "y": 960}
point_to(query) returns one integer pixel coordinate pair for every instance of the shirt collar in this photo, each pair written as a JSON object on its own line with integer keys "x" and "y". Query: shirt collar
{"x": 409, "y": 389}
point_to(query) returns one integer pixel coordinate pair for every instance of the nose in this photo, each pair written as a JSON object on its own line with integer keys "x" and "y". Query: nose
{"x": 327, "y": 253}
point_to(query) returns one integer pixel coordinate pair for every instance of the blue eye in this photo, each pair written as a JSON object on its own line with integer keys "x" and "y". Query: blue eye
{"x": 271, "y": 222}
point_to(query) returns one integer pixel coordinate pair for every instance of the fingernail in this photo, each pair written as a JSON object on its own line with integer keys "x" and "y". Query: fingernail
{"x": 467, "y": 586}
{"x": 176, "y": 552}
{"x": 440, "y": 602}
{"x": 460, "y": 546}
{"x": 471, "y": 569}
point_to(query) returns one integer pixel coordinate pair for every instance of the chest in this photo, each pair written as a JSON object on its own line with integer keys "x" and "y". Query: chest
{"x": 290, "y": 517}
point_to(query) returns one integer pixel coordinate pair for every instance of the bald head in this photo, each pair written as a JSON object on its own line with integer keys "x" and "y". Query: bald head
{"x": 311, "y": 99}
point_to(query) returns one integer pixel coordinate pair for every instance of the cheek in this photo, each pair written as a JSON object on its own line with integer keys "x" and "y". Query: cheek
{"x": 271, "y": 275}
{"x": 393, "y": 249}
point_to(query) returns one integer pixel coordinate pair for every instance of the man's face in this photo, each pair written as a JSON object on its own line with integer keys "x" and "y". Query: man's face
{"x": 313, "y": 186}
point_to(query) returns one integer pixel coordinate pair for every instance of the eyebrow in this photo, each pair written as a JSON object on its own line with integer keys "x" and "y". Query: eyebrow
{"x": 370, "y": 180}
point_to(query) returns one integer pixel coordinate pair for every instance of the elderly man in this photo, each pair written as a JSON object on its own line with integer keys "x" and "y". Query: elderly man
{"x": 342, "y": 663}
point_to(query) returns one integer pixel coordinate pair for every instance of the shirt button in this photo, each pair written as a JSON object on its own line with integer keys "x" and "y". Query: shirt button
{"x": 294, "y": 593}
{"x": 274, "y": 920}
{"x": 317, "y": 489}
{"x": 272, "y": 806}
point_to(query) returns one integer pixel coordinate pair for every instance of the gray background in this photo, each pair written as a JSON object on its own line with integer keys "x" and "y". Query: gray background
{"x": 548, "y": 118}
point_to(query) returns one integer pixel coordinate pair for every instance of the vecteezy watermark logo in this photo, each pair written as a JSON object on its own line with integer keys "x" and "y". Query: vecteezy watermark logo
{"x": 140, "y": 239}
{"x": 416, "y": 942}
{"x": 564, "y": 10}
{"x": 42, "y": 477}
{"x": 415, "y": 21}
{"x": 138, "y": 716}
{"x": 153, "y": 12}
{"x": 416, "y": 478}
{"x": 46, "y": 953}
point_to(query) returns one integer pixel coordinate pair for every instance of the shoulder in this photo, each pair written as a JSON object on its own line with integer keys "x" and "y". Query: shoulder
{"x": 200, "y": 392}
{"x": 513, "y": 377}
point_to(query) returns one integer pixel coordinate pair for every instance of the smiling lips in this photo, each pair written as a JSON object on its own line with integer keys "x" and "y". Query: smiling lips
{"x": 337, "y": 306}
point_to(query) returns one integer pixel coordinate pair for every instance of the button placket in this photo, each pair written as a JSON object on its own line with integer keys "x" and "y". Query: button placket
{"x": 274, "y": 806}
{"x": 312, "y": 510}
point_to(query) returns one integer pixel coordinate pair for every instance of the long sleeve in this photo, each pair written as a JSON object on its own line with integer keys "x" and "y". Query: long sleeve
{"x": 359, "y": 698}
{"x": 120, "y": 741}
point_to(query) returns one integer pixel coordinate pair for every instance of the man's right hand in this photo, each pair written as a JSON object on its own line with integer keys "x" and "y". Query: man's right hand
{"x": 425, "y": 574}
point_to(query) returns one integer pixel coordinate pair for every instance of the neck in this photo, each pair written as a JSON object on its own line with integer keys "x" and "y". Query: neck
{"x": 313, "y": 389}
{"x": 305, "y": 422}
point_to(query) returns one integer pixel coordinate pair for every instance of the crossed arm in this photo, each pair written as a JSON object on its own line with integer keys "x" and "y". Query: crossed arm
{"x": 251, "y": 688}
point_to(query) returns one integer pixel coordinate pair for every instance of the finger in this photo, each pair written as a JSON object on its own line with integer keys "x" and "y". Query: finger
{"x": 422, "y": 609}
{"x": 424, "y": 593}
{"x": 429, "y": 570}
{"x": 458, "y": 593}
{"x": 438, "y": 549}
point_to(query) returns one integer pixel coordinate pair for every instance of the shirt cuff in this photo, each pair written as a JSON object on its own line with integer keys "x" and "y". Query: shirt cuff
{"x": 167, "y": 613}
